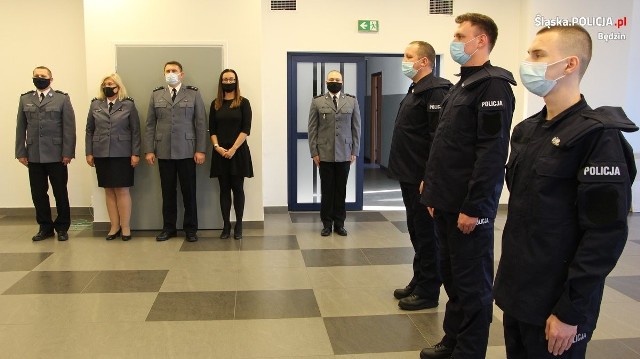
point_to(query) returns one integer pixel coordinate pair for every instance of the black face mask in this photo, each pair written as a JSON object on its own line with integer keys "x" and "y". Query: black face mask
{"x": 334, "y": 87}
{"x": 41, "y": 83}
{"x": 229, "y": 87}
{"x": 109, "y": 91}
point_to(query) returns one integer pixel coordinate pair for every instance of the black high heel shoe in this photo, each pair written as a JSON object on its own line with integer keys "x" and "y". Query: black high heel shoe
{"x": 237, "y": 231}
{"x": 226, "y": 231}
{"x": 126, "y": 238}
{"x": 111, "y": 237}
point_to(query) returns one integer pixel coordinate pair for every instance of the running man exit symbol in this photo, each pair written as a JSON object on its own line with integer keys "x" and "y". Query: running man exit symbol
{"x": 368, "y": 25}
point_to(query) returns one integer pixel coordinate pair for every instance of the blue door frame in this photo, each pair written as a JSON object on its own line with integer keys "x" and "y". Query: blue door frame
{"x": 293, "y": 58}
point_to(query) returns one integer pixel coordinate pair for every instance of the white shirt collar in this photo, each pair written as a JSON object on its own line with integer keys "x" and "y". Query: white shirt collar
{"x": 177, "y": 88}
{"x": 45, "y": 92}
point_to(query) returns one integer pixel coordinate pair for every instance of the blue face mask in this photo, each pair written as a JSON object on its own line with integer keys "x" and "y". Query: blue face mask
{"x": 533, "y": 77}
{"x": 456, "y": 49}
{"x": 172, "y": 78}
{"x": 408, "y": 70}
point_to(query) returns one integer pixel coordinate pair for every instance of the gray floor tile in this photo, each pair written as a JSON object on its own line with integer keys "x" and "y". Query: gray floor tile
{"x": 334, "y": 257}
{"x": 183, "y": 306}
{"x": 274, "y": 304}
{"x": 610, "y": 348}
{"x": 373, "y": 334}
{"x": 632, "y": 343}
{"x": 127, "y": 281}
{"x": 401, "y": 225}
{"x": 53, "y": 282}
{"x": 211, "y": 244}
{"x": 257, "y": 243}
{"x": 627, "y": 285}
{"x": 10, "y": 262}
{"x": 430, "y": 325}
{"x": 385, "y": 256}
{"x": 314, "y": 217}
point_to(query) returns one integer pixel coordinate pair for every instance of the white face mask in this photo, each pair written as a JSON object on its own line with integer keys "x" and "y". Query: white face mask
{"x": 534, "y": 77}
{"x": 172, "y": 78}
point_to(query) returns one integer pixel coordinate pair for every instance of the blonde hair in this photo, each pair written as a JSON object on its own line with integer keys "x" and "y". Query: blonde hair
{"x": 122, "y": 91}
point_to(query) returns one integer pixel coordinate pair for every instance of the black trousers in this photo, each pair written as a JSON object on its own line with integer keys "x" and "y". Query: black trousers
{"x": 40, "y": 174}
{"x": 333, "y": 185}
{"x": 527, "y": 341}
{"x": 426, "y": 279}
{"x": 230, "y": 183}
{"x": 170, "y": 172}
{"x": 466, "y": 264}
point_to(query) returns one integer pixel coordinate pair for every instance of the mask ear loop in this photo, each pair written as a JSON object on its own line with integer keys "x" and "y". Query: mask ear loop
{"x": 477, "y": 48}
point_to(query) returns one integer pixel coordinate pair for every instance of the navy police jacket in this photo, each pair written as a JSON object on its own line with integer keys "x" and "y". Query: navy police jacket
{"x": 465, "y": 171}
{"x": 570, "y": 193}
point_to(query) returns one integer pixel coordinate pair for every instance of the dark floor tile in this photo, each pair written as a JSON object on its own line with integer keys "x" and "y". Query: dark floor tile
{"x": 19, "y": 220}
{"x": 314, "y": 217}
{"x": 10, "y": 262}
{"x": 257, "y": 243}
{"x": 627, "y": 285}
{"x": 183, "y": 306}
{"x": 373, "y": 334}
{"x": 275, "y": 304}
{"x": 127, "y": 281}
{"x": 211, "y": 244}
{"x": 52, "y": 282}
{"x": 430, "y": 325}
{"x": 334, "y": 257}
{"x": 611, "y": 348}
{"x": 401, "y": 225}
{"x": 389, "y": 256}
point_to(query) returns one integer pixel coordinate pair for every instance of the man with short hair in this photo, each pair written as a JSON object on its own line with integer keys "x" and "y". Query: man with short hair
{"x": 569, "y": 175}
{"x": 334, "y": 143}
{"x": 46, "y": 144}
{"x": 413, "y": 133}
{"x": 176, "y": 134}
{"x": 463, "y": 181}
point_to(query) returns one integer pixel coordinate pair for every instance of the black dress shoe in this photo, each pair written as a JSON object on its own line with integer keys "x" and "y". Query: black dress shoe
{"x": 226, "y": 231}
{"x": 126, "y": 238}
{"x": 326, "y": 231}
{"x": 438, "y": 351}
{"x": 111, "y": 237}
{"x": 403, "y": 292}
{"x": 341, "y": 231}
{"x": 414, "y": 302}
{"x": 237, "y": 231}
{"x": 63, "y": 236}
{"x": 191, "y": 237}
{"x": 42, "y": 235}
{"x": 164, "y": 235}
{"x": 237, "y": 235}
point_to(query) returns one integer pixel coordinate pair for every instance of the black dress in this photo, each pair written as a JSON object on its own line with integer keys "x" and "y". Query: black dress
{"x": 227, "y": 123}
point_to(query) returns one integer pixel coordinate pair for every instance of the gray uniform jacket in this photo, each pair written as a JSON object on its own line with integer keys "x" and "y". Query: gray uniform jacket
{"x": 334, "y": 135}
{"x": 46, "y": 131}
{"x": 176, "y": 129}
{"x": 115, "y": 134}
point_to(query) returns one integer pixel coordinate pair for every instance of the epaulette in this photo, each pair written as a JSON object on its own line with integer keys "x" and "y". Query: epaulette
{"x": 128, "y": 99}
{"x": 58, "y": 91}
{"x": 28, "y": 92}
{"x": 601, "y": 118}
{"x": 318, "y": 96}
{"x": 94, "y": 99}
{"x": 430, "y": 83}
{"x": 158, "y": 88}
{"x": 350, "y": 95}
{"x": 488, "y": 72}
{"x": 192, "y": 88}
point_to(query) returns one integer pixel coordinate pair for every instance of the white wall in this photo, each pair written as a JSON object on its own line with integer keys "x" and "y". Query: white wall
{"x": 316, "y": 26}
{"x": 35, "y": 34}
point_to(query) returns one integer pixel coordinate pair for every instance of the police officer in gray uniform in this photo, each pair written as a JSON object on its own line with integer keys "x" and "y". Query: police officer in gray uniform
{"x": 334, "y": 142}
{"x": 176, "y": 134}
{"x": 46, "y": 143}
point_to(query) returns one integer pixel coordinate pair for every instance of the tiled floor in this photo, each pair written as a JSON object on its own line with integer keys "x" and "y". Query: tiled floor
{"x": 282, "y": 292}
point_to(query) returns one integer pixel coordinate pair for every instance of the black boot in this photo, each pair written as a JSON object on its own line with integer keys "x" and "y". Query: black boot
{"x": 226, "y": 230}
{"x": 237, "y": 231}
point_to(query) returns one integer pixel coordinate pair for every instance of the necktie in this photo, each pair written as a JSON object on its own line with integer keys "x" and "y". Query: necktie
{"x": 335, "y": 101}
{"x": 41, "y": 96}
{"x": 173, "y": 97}
{"x": 110, "y": 106}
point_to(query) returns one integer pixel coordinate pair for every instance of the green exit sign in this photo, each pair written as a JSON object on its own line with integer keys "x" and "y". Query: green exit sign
{"x": 368, "y": 25}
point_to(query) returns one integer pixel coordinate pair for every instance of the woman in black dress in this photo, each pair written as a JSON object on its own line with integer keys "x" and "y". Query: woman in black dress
{"x": 112, "y": 146}
{"x": 229, "y": 126}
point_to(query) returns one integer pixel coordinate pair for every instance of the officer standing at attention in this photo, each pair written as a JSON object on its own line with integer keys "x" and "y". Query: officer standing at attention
{"x": 413, "y": 133}
{"x": 464, "y": 178}
{"x": 334, "y": 142}
{"x": 569, "y": 174}
{"x": 46, "y": 144}
{"x": 176, "y": 134}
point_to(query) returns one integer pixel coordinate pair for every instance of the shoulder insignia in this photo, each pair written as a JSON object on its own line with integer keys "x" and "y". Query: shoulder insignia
{"x": 192, "y": 88}
{"x": 58, "y": 91}
{"x": 128, "y": 99}
{"x": 350, "y": 95}
{"x": 94, "y": 99}
{"x": 158, "y": 88}
{"x": 28, "y": 92}
{"x": 601, "y": 118}
{"x": 490, "y": 72}
{"x": 322, "y": 95}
